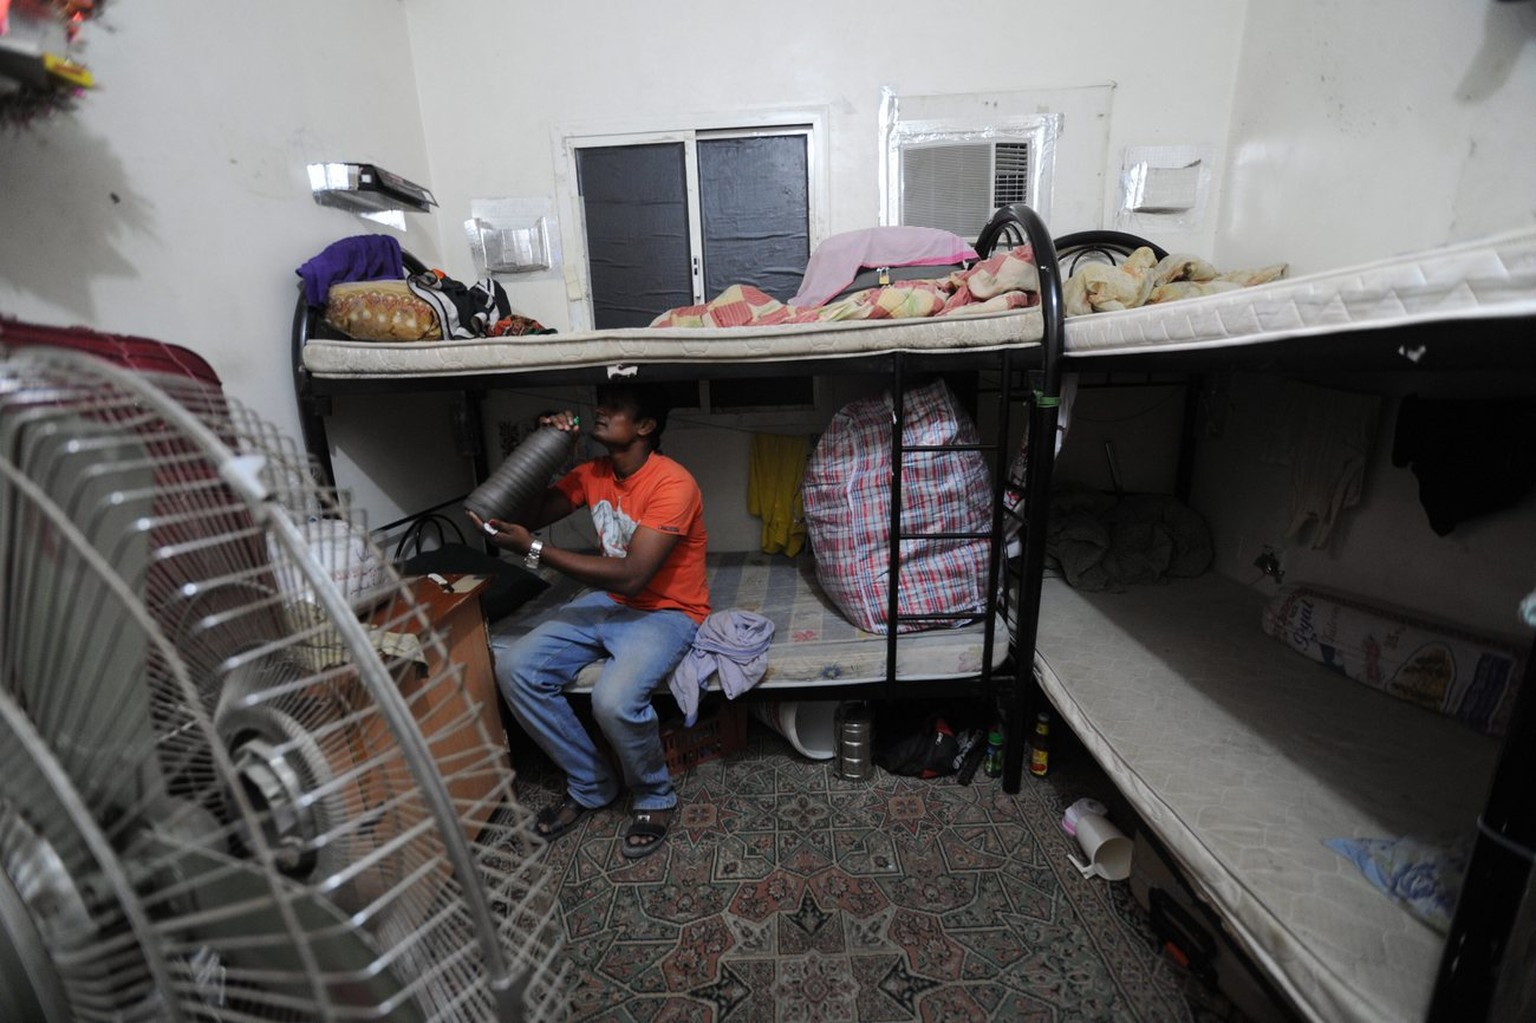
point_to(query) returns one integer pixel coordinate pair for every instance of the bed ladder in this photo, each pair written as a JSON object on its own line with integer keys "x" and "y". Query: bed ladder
{"x": 897, "y": 533}
{"x": 1021, "y": 601}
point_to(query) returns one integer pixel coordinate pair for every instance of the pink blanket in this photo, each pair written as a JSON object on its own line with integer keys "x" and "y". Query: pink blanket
{"x": 837, "y": 261}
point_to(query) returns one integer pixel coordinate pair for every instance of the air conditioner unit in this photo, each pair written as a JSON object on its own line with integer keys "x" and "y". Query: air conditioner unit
{"x": 957, "y": 186}
{"x": 953, "y": 169}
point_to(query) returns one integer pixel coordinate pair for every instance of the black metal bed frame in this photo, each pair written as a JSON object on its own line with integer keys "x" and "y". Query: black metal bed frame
{"x": 1499, "y": 876}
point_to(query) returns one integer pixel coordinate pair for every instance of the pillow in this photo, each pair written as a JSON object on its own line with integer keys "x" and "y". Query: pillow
{"x": 1445, "y": 668}
{"x": 838, "y": 260}
{"x": 380, "y": 311}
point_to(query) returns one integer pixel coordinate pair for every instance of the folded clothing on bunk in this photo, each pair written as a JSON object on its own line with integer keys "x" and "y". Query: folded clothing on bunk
{"x": 463, "y": 310}
{"x": 1143, "y": 279}
{"x": 427, "y": 307}
{"x": 1101, "y": 541}
{"x": 1439, "y": 666}
{"x": 362, "y": 257}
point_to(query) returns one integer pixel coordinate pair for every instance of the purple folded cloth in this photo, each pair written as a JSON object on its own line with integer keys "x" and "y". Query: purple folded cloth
{"x": 362, "y": 257}
{"x": 732, "y": 644}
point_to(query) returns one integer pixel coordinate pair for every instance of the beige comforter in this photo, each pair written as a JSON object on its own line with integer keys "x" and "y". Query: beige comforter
{"x": 1143, "y": 279}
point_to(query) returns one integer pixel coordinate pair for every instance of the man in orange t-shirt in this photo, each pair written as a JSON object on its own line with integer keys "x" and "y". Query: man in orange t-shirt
{"x": 649, "y": 594}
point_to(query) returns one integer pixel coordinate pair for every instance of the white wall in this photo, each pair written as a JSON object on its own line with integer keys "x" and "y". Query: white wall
{"x": 208, "y": 113}
{"x": 1365, "y": 129}
{"x": 173, "y": 203}
{"x": 1383, "y": 548}
{"x": 490, "y": 123}
{"x": 493, "y": 125}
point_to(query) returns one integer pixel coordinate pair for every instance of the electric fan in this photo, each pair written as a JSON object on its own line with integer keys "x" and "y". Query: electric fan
{"x": 229, "y": 787}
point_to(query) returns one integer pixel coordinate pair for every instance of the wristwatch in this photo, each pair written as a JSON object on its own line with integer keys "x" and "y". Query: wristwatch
{"x": 531, "y": 559}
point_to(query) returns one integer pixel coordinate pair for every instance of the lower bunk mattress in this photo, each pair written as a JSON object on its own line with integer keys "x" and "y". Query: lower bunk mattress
{"x": 813, "y": 644}
{"x": 1244, "y": 757}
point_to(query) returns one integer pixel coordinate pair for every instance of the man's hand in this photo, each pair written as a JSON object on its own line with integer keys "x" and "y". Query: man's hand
{"x": 566, "y": 420}
{"x": 509, "y": 536}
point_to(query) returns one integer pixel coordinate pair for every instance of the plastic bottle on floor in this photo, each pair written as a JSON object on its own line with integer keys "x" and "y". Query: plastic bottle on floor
{"x": 1040, "y": 746}
{"x": 992, "y": 763}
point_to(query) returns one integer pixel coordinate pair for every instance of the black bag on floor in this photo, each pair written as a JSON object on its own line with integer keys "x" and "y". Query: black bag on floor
{"x": 511, "y": 586}
{"x": 929, "y": 752}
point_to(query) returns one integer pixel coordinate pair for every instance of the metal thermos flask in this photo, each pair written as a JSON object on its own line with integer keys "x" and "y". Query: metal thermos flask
{"x": 523, "y": 475}
{"x": 855, "y": 749}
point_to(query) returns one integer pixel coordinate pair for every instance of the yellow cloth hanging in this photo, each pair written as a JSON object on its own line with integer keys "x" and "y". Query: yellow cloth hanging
{"x": 774, "y": 472}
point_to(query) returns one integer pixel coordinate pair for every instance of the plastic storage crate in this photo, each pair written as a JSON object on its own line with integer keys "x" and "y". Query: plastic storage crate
{"x": 720, "y": 731}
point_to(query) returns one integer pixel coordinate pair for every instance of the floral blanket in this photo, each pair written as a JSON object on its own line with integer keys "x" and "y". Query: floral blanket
{"x": 1143, "y": 279}
{"x": 1007, "y": 280}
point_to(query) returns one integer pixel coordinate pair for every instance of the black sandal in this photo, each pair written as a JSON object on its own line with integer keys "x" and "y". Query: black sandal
{"x": 554, "y": 821}
{"x": 644, "y": 824}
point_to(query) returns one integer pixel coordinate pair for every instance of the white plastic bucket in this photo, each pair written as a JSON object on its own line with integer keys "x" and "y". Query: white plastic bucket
{"x": 1107, "y": 850}
{"x": 807, "y": 724}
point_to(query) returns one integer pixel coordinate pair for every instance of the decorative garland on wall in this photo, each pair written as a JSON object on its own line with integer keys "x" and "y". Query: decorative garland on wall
{"x": 38, "y": 74}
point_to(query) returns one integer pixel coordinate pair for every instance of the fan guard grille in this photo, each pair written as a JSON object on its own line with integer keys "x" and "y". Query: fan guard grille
{"x": 216, "y": 758}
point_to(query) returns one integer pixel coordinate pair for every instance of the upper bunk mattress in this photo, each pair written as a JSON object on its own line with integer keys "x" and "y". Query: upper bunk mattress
{"x": 375, "y": 360}
{"x": 1488, "y": 278}
{"x": 1484, "y": 279}
{"x": 1243, "y": 756}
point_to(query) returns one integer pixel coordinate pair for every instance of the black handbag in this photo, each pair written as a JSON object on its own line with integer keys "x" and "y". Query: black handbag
{"x": 510, "y": 587}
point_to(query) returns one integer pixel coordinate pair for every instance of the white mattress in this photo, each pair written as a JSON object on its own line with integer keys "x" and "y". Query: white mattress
{"x": 1492, "y": 277}
{"x": 1243, "y": 756}
{"x": 376, "y": 360}
{"x": 813, "y": 644}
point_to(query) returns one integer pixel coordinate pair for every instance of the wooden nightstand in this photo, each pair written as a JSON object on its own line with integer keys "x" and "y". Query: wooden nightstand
{"x": 458, "y": 618}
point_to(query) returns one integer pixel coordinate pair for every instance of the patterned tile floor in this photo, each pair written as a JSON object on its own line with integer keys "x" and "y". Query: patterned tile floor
{"x": 785, "y": 893}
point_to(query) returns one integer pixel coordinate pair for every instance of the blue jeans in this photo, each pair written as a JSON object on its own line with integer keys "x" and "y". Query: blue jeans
{"x": 642, "y": 648}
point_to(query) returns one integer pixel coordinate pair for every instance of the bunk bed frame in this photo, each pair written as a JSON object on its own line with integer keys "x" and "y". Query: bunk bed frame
{"x": 1010, "y": 350}
{"x": 1493, "y": 325}
{"x": 1396, "y": 314}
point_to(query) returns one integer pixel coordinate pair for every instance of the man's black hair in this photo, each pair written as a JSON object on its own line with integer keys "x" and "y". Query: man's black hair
{"x": 651, "y": 401}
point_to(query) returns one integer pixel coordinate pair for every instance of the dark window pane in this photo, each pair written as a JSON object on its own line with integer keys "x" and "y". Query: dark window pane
{"x": 754, "y": 200}
{"x": 636, "y": 204}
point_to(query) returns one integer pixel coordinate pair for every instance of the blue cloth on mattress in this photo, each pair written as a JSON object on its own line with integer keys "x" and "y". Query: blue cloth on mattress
{"x": 1424, "y": 876}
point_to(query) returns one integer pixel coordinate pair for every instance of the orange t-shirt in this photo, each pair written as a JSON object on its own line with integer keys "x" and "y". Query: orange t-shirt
{"x": 662, "y": 496}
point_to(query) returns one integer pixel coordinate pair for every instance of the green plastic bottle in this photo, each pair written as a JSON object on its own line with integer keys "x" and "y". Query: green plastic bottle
{"x": 992, "y": 762}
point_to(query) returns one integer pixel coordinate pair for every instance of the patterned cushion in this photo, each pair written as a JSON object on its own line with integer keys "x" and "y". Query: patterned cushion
{"x": 1442, "y": 667}
{"x": 380, "y": 311}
